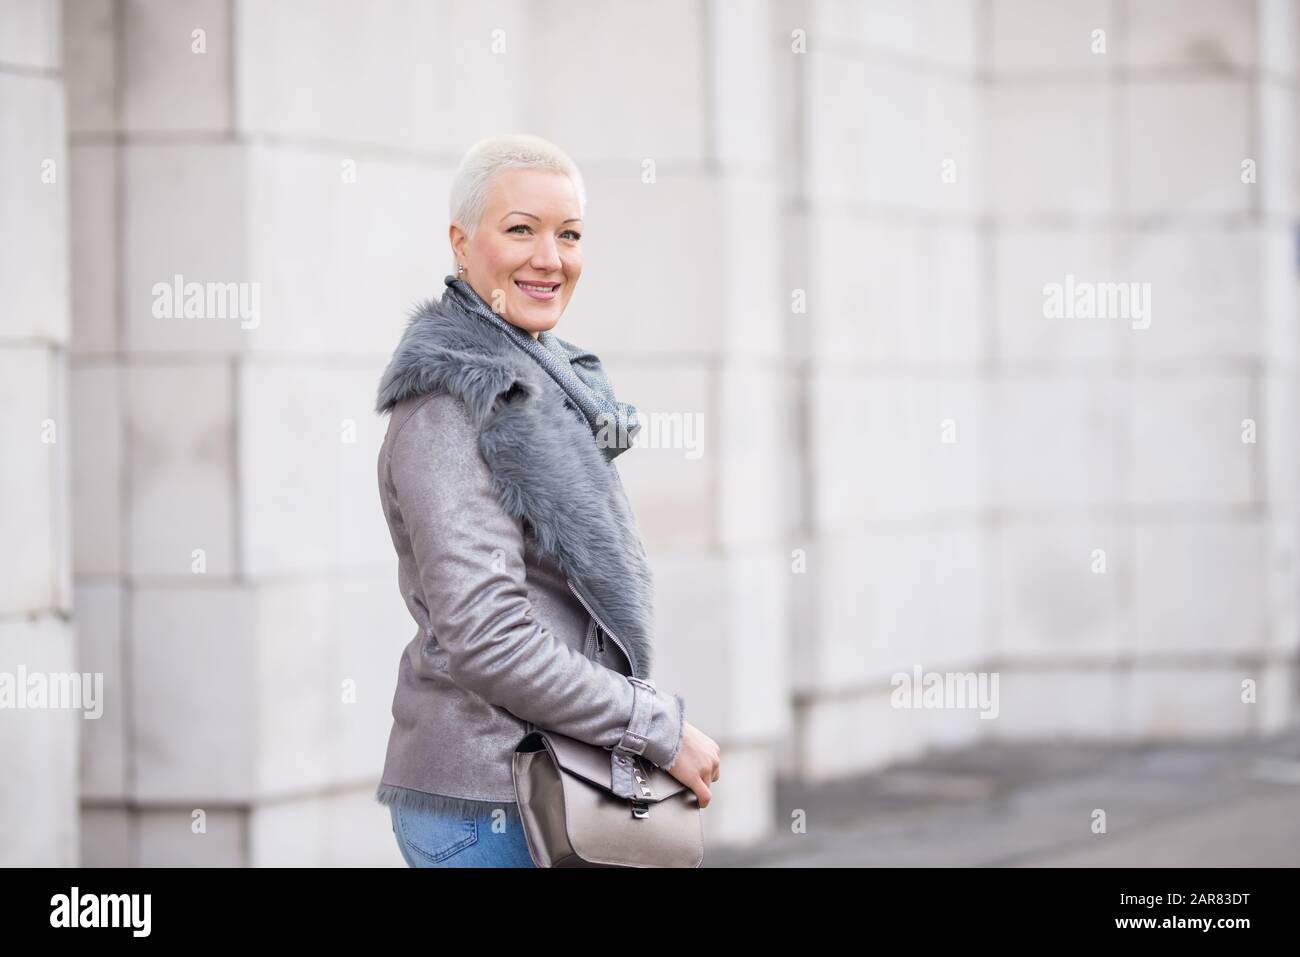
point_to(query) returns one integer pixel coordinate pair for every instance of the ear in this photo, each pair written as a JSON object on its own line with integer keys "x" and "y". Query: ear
{"x": 457, "y": 237}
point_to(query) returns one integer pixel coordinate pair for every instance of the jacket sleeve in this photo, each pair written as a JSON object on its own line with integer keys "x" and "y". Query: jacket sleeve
{"x": 470, "y": 557}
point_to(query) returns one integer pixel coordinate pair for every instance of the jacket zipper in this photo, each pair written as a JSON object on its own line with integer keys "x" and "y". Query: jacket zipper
{"x": 603, "y": 626}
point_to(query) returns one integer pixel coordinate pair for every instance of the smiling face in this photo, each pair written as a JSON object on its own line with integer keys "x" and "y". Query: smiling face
{"x": 525, "y": 257}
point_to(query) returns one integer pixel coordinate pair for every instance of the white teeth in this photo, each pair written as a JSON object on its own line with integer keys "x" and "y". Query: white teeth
{"x": 529, "y": 285}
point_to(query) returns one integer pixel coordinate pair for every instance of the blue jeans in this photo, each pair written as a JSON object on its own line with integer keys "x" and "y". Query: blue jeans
{"x": 493, "y": 837}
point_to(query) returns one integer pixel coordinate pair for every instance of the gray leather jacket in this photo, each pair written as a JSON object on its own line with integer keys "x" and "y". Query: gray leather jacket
{"x": 502, "y": 638}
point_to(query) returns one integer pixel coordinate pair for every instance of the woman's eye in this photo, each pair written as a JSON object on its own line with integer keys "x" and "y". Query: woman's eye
{"x": 568, "y": 232}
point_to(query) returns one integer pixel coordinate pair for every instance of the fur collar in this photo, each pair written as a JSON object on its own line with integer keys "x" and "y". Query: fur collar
{"x": 547, "y": 467}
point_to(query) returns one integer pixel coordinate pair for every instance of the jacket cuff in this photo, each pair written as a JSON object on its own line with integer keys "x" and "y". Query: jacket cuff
{"x": 657, "y": 726}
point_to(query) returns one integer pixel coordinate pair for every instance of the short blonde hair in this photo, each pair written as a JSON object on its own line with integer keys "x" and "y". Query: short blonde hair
{"x": 486, "y": 158}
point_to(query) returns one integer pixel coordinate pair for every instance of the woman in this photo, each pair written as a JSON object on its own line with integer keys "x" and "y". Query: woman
{"x": 518, "y": 555}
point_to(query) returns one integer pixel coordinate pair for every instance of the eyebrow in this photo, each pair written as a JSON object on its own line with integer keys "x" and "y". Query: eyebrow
{"x": 574, "y": 219}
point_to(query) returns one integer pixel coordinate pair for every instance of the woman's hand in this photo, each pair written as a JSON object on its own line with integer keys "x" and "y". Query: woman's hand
{"x": 697, "y": 763}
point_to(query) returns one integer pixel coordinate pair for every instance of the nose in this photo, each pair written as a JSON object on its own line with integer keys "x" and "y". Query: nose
{"x": 546, "y": 255}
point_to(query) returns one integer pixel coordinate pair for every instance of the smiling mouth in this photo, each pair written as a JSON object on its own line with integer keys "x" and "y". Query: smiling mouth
{"x": 539, "y": 291}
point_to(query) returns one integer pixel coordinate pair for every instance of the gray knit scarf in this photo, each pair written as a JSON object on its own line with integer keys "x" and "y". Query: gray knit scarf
{"x": 577, "y": 371}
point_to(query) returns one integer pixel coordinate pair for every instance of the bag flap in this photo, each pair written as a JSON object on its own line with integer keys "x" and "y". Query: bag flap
{"x": 595, "y": 765}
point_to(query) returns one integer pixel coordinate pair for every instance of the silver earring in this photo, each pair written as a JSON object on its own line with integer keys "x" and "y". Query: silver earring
{"x": 460, "y": 269}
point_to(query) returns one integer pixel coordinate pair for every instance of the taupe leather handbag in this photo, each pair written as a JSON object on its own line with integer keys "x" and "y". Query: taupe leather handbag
{"x": 587, "y": 806}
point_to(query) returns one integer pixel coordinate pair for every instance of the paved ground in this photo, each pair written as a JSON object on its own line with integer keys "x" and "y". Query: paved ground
{"x": 1227, "y": 804}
